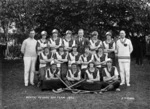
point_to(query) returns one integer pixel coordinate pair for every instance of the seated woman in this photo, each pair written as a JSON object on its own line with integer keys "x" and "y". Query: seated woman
{"x": 51, "y": 80}
{"x": 92, "y": 77}
{"x": 110, "y": 77}
{"x": 61, "y": 60}
{"x": 100, "y": 60}
{"x": 85, "y": 59}
{"x": 74, "y": 73}
{"x": 45, "y": 58}
{"x": 74, "y": 56}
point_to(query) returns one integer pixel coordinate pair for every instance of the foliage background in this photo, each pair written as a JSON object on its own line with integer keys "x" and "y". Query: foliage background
{"x": 100, "y": 15}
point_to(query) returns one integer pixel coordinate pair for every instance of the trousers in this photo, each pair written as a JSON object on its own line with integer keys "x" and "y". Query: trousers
{"x": 124, "y": 71}
{"x": 29, "y": 69}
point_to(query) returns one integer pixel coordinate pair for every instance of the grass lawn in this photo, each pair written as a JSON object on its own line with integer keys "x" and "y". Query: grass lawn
{"x": 17, "y": 96}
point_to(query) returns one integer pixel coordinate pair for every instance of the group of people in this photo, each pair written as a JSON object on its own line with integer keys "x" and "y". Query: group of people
{"x": 62, "y": 62}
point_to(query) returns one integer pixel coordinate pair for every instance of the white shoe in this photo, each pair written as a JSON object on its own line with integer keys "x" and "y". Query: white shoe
{"x": 128, "y": 85}
{"x": 26, "y": 84}
{"x": 118, "y": 90}
{"x": 122, "y": 84}
{"x": 32, "y": 84}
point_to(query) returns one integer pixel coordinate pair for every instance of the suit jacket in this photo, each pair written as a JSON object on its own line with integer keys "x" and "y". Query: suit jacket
{"x": 81, "y": 44}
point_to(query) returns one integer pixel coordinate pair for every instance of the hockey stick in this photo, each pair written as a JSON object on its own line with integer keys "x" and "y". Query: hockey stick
{"x": 68, "y": 87}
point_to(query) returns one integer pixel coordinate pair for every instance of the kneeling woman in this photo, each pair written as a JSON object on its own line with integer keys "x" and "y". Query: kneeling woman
{"x": 92, "y": 77}
{"x": 51, "y": 78}
{"x": 61, "y": 60}
{"x": 110, "y": 77}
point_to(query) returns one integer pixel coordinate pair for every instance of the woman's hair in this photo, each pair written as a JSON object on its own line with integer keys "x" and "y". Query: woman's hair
{"x": 91, "y": 63}
{"x": 100, "y": 48}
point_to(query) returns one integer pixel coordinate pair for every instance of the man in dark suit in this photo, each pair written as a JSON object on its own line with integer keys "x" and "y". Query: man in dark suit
{"x": 81, "y": 41}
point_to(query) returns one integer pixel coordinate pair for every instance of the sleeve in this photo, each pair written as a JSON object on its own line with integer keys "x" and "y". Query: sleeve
{"x": 80, "y": 58}
{"x": 116, "y": 71}
{"x": 38, "y": 44}
{"x": 103, "y": 73}
{"x": 60, "y": 42}
{"x": 98, "y": 75}
{"x": 68, "y": 57}
{"x": 74, "y": 43}
{"x": 55, "y": 56}
{"x": 130, "y": 46}
{"x": 92, "y": 58}
{"x": 41, "y": 57}
{"x": 114, "y": 45}
{"x": 106, "y": 57}
{"x": 79, "y": 74}
{"x": 23, "y": 47}
{"x": 95, "y": 59}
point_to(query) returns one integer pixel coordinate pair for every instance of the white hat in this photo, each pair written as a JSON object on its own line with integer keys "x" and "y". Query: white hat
{"x": 68, "y": 32}
{"x": 109, "y": 60}
{"x": 108, "y": 33}
{"x": 55, "y": 31}
{"x": 43, "y": 33}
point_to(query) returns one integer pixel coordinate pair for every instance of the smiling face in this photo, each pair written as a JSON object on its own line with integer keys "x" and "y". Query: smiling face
{"x": 46, "y": 50}
{"x": 94, "y": 37}
{"x": 61, "y": 49}
{"x": 109, "y": 63}
{"x": 87, "y": 50}
{"x": 108, "y": 37}
{"x": 81, "y": 33}
{"x": 100, "y": 50}
{"x": 32, "y": 34}
{"x": 74, "y": 67}
{"x": 55, "y": 35}
{"x": 68, "y": 36}
{"x": 91, "y": 65}
{"x": 74, "y": 49}
{"x": 122, "y": 34}
{"x": 54, "y": 67}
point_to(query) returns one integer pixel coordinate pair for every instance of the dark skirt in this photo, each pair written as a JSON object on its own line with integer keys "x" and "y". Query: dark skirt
{"x": 83, "y": 73}
{"x": 52, "y": 84}
{"x": 37, "y": 65}
{"x": 91, "y": 86}
{"x": 115, "y": 85}
{"x": 63, "y": 70}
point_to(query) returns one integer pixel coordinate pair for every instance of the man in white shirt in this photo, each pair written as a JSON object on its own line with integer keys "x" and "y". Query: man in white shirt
{"x": 30, "y": 55}
{"x": 124, "y": 50}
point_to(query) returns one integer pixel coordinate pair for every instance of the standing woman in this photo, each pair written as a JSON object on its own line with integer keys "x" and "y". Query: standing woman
{"x": 100, "y": 59}
{"x": 85, "y": 59}
{"x": 54, "y": 42}
{"x": 41, "y": 44}
{"x": 94, "y": 42}
{"x": 92, "y": 77}
{"x": 110, "y": 47}
{"x": 61, "y": 60}
{"x": 30, "y": 55}
{"x": 68, "y": 42}
{"x": 74, "y": 56}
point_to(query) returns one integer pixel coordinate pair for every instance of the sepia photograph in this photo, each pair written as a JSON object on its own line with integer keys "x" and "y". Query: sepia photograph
{"x": 74, "y": 54}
